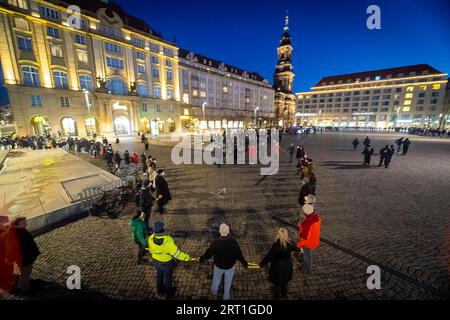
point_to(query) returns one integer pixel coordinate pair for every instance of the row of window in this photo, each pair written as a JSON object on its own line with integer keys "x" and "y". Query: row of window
{"x": 36, "y": 101}
{"x": 436, "y": 86}
{"x": 145, "y": 107}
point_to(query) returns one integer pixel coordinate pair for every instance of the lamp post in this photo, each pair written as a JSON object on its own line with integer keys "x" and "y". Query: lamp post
{"x": 256, "y": 116}
{"x": 203, "y": 112}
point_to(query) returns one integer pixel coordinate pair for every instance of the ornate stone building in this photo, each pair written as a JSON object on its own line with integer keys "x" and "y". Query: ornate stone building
{"x": 283, "y": 80}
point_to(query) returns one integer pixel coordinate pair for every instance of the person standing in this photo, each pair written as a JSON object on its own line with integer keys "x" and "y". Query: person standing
{"x": 29, "y": 252}
{"x": 135, "y": 158}
{"x": 140, "y": 233}
{"x": 144, "y": 162}
{"x": 309, "y": 235}
{"x": 117, "y": 159}
{"x": 163, "y": 250}
{"x": 146, "y": 201}
{"x": 146, "y": 144}
{"x": 366, "y": 141}
{"x": 389, "y": 155}
{"x": 162, "y": 191}
{"x": 279, "y": 257}
{"x": 226, "y": 251}
{"x": 300, "y": 152}
{"x": 355, "y": 143}
{"x": 399, "y": 143}
{"x": 368, "y": 152}
{"x": 291, "y": 151}
{"x": 406, "y": 144}
{"x": 383, "y": 154}
{"x": 126, "y": 157}
{"x": 305, "y": 189}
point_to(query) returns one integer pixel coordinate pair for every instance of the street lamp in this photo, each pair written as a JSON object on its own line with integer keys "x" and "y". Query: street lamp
{"x": 256, "y": 116}
{"x": 203, "y": 112}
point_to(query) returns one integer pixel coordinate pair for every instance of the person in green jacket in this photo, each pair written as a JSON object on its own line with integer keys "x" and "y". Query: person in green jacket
{"x": 140, "y": 233}
{"x": 164, "y": 251}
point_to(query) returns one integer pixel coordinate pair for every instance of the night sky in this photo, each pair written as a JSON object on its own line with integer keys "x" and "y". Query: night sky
{"x": 329, "y": 36}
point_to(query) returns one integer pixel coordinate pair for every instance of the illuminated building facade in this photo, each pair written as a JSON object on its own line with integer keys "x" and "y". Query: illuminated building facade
{"x": 217, "y": 95}
{"x": 410, "y": 96}
{"x": 283, "y": 81}
{"x": 100, "y": 70}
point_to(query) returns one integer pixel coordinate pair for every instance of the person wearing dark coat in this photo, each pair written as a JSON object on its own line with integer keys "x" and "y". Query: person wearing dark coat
{"x": 313, "y": 182}
{"x": 300, "y": 152}
{"x": 366, "y": 141}
{"x": 383, "y": 154}
{"x": 406, "y": 144}
{"x": 225, "y": 251}
{"x": 399, "y": 143}
{"x": 29, "y": 252}
{"x": 390, "y": 153}
{"x": 306, "y": 189}
{"x": 117, "y": 158}
{"x": 162, "y": 191}
{"x": 126, "y": 157}
{"x": 279, "y": 257}
{"x": 146, "y": 201}
{"x": 368, "y": 152}
{"x": 144, "y": 162}
{"x": 355, "y": 143}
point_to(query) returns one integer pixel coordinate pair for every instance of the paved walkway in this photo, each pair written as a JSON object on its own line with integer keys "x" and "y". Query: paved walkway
{"x": 386, "y": 216}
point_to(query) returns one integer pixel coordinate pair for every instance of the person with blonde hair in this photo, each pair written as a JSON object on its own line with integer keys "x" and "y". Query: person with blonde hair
{"x": 279, "y": 257}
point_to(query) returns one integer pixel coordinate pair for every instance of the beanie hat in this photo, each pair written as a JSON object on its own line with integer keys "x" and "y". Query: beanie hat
{"x": 310, "y": 199}
{"x": 308, "y": 209}
{"x": 159, "y": 227}
{"x": 224, "y": 230}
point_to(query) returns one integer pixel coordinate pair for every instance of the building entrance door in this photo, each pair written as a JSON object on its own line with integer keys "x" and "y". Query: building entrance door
{"x": 40, "y": 125}
{"x": 121, "y": 125}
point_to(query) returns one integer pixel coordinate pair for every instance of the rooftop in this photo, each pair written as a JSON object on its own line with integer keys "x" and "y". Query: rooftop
{"x": 186, "y": 54}
{"x": 382, "y": 74}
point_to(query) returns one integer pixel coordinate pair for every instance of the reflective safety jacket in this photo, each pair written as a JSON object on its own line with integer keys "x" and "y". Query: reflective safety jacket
{"x": 163, "y": 249}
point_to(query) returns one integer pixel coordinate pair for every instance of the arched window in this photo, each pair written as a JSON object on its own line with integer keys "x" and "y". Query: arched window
{"x": 60, "y": 79}
{"x": 86, "y": 83}
{"x": 31, "y": 76}
{"x": 169, "y": 93}
{"x": 68, "y": 126}
{"x": 117, "y": 86}
{"x": 143, "y": 90}
{"x": 157, "y": 92}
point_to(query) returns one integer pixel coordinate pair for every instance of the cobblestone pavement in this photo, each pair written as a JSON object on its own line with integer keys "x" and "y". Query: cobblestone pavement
{"x": 397, "y": 217}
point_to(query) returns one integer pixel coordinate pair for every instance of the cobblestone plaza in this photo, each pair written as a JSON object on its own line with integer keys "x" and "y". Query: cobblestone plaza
{"x": 395, "y": 218}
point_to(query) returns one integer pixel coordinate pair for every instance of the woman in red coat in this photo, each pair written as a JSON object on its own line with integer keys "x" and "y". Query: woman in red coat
{"x": 135, "y": 158}
{"x": 309, "y": 235}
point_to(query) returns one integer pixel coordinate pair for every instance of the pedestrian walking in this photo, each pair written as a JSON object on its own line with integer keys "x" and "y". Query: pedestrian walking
{"x": 368, "y": 152}
{"x": 146, "y": 144}
{"x": 406, "y": 145}
{"x": 140, "y": 233}
{"x": 366, "y": 141}
{"x": 162, "y": 191}
{"x": 117, "y": 159}
{"x": 383, "y": 154}
{"x": 279, "y": 257}
{"x": 146, "y": 201}
{"x": 163, "y": 250}
{"x": 309, "y": 235}
{"x": 355, "y": 143}
{"x": 225, "y": 251}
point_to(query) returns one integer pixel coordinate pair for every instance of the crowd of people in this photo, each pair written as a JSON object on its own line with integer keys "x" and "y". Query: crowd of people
{"x": 386, "y": 153}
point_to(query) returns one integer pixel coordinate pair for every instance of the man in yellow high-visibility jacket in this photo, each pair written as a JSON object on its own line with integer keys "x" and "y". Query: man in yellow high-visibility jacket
{"x": 164, "y": 251}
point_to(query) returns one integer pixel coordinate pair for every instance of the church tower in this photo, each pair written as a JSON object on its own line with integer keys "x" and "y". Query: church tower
{"x": 283, "y": 80}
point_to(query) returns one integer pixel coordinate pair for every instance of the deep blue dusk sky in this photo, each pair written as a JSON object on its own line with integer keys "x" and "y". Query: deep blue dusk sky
{"x": 329, "y": 36}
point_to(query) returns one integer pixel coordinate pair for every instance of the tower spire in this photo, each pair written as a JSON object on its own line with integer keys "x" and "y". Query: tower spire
{"x": 286, "y": 21}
